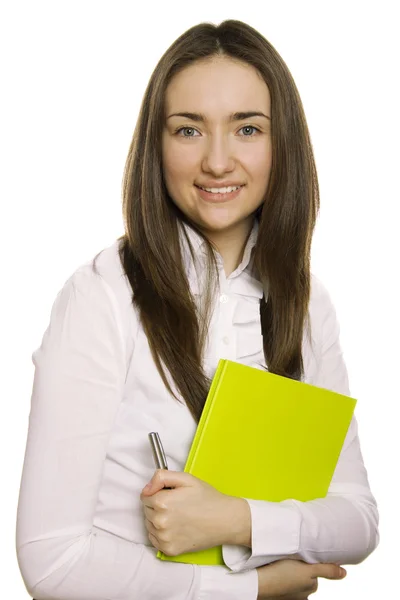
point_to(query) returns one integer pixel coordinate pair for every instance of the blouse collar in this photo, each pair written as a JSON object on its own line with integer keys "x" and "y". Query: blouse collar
{"x": 242, "y": 280}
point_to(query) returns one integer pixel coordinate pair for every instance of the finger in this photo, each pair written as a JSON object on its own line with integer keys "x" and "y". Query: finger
{"x": 149, "y": 513}
{"x": 155, "y": 485}
{"x": 158, "y": 523}
{"x": 164, "y": 478}
{"x": 155, "y": 500}
{"x": 328, "y": 571}
{"x": 153, "y": 539}
{"x": 148, "y": 500}
{"x": 150, "y": 527}
{"x": 158, "y": 501}
{"x": 152, "y": 487}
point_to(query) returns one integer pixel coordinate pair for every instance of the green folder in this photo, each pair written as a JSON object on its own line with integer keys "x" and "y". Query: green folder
{"x": 265, "y": 437}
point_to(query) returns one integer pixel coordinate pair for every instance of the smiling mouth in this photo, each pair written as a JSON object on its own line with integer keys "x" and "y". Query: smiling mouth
{"x": 216, "y": 197}
{"x": 237, "y": 187}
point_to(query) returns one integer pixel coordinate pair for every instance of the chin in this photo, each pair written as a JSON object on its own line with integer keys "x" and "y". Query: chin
{"x": 217, "y": 227}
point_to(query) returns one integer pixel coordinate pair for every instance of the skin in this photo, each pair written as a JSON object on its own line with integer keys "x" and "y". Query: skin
{"x": 218, "y": 150}
{"x": 194, "y": 515}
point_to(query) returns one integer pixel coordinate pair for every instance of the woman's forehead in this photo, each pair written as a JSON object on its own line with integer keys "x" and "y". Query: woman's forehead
{"x": 221, "y": 88}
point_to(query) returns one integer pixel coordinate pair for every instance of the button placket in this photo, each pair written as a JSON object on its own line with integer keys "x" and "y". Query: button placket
{"x": 226, "y": 334}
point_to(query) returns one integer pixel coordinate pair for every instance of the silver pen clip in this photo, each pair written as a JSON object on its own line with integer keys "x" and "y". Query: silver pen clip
{"x": 158, "y": 452}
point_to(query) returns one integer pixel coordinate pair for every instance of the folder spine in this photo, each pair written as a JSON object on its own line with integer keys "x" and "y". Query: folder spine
{"x": 205, "y": 415}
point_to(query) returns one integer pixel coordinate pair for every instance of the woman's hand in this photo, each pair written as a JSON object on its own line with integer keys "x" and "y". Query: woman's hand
{"x": 193, "y": 515}
{"x": 293, "y": 579}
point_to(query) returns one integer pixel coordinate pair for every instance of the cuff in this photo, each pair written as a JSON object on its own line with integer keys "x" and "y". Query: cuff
{"x": 275, "y": 534}
{"x": 217, "y": 583}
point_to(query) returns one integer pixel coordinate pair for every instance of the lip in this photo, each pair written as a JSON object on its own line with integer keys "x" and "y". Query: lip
{"x": 219, "y": 184}
{"x": 216, "y": 198}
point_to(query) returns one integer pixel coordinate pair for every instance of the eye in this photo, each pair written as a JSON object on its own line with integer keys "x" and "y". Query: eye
{"x": 187, "y": 129}
{"x": 178, "y": 131}
{"x": 249, "y": 127}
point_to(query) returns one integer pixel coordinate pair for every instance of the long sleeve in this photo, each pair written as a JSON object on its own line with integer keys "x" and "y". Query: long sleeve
{"x": 342, "y": 527}
{"x": 77, "y": 388}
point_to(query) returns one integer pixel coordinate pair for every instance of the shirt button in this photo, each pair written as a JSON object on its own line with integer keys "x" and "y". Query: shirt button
{"x": 223, "y": 298}
{"x": 225, "y": 340}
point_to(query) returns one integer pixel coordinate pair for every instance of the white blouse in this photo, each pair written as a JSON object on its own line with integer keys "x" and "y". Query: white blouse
{"x": 96, "y": 396}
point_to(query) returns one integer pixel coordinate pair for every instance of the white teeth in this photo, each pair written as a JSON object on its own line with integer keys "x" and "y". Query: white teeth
{"x": 224, "y": 190}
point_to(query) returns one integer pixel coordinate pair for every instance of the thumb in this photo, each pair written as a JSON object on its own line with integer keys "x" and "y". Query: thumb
{"x": 164, "y": 478}
{"x": 329, "y": 571}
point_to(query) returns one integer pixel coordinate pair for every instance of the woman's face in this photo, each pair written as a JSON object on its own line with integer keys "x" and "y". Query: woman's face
{"x": 217, "y": 150}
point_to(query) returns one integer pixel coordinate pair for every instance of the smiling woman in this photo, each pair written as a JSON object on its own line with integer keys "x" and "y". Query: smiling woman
{"x": 230, "y": 149}
{"x": 221, "y": 115}
{"x": 220, "y": 198}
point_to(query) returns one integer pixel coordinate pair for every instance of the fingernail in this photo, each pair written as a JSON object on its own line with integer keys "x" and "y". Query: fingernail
{"x": 147, "y": 487}
{"x": 343, "y": 572}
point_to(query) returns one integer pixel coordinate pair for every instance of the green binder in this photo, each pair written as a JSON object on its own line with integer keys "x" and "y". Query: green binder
{"x": 265, "y": 437}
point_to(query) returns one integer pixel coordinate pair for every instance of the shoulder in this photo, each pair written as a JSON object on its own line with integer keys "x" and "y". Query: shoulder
{"x": 104, "y": 272}
{"x": 102, "y": 279}
{"x": 320, "y": 305}
{"x": 323, "y": 317}
{"x": 319, "y": 291}
{"x": 104, "y": 266}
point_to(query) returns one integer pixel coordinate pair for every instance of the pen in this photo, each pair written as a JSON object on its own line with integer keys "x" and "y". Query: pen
{"x": 160, "y": 460}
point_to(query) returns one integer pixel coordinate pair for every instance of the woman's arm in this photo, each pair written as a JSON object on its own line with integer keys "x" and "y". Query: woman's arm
{"x": 340, "y": 528}
{"x": 78, "y": 386}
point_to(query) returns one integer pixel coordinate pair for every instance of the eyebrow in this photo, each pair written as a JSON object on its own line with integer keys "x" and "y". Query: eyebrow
{"x": 237, "y": 116}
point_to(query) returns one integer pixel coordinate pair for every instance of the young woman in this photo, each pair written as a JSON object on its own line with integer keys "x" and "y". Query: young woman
{"x": 220, "y": 201}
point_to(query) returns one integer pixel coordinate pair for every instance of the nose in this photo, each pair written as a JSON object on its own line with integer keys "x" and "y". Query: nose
{"x": 218, "y": 155}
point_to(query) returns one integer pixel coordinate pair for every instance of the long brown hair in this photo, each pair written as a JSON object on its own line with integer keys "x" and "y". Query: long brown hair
{"x": 150, "y": 250}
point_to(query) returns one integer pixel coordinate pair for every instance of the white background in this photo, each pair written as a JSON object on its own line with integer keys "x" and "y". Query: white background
{"x": 73, "y": 75}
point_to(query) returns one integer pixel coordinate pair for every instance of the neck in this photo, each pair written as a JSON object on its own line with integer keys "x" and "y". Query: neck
{"x": 231, "y": 244}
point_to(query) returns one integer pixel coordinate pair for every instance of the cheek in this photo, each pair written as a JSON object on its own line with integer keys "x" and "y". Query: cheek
{"x": 176, "y": 171}
{"x": 179, "y": 161}
{"x": 260, "y": 167}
